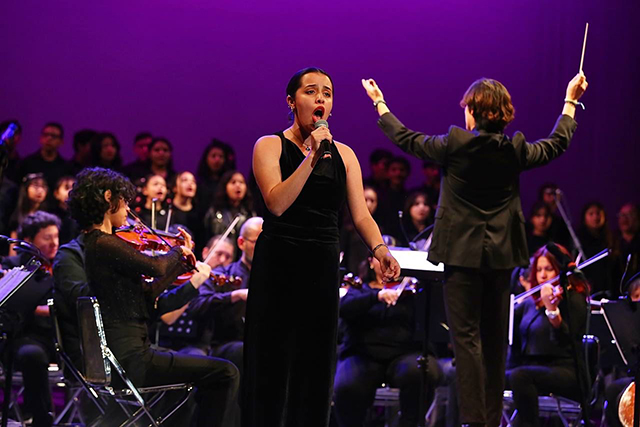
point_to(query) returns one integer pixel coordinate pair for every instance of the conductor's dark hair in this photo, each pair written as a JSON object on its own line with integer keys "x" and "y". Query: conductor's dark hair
{"x": 87, "y": 204}
{"x": 33, "y": 223}
{"x": 295, "y": 81}
{"x": 490, "y": 104}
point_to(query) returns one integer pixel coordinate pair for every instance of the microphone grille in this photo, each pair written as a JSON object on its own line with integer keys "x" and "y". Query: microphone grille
{"x": 321, "y": 123}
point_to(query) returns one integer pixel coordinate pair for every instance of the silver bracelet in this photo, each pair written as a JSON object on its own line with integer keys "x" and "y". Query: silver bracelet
{"x": 552, "y": 314}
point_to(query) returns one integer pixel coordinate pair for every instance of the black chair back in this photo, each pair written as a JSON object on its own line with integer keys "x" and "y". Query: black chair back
{"x": 96, "y": 366}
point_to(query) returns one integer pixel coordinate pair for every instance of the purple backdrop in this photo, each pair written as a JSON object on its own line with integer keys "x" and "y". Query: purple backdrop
{"x": 190, "y": 70}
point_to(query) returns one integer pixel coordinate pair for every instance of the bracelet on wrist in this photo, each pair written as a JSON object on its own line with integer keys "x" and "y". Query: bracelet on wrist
{"x": 552, "y": 314}
{"x": 574, "y": 102}
{"x": 380, "y": 101}
{"x": 373, "y": 251}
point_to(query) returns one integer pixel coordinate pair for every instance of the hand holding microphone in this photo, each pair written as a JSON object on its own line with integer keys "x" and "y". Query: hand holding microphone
{"x": 325, "y": 148}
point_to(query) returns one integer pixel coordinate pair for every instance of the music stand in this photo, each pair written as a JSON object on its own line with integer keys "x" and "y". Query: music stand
{"x": 415, "y": 264}
{"x": 10, "y": 290}
{"x": 623, "y": 320}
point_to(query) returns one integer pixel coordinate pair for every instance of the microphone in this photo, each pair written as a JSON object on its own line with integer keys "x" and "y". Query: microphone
{"x": 8, "y": 133}
{"x": 324, "y": 144}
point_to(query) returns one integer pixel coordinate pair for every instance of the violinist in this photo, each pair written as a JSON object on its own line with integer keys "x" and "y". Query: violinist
{"x": 33, "y": 349}
{"x": 98, "y": 202}
{"x": 541, "y": 357}
{"x": 379, "y": 346}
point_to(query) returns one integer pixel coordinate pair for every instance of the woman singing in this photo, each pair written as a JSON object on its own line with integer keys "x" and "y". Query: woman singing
{"x": 99, "y": 203}
{"x": 292, "y": 310}
{"x": 479, "y": 226}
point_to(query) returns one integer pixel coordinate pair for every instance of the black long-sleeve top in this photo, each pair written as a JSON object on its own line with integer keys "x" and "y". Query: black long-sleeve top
{"x": 114, "y": 272}
{"x": 372, "y": 329}
{"x": 534, "y": 338}
{"x": 223, "y": 319}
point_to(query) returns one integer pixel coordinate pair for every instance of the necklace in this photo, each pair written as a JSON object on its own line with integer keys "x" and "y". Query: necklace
{"x": 302, "y": 145}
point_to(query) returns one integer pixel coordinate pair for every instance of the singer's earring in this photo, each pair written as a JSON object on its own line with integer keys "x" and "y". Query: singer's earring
{"x": 330, "y": 114}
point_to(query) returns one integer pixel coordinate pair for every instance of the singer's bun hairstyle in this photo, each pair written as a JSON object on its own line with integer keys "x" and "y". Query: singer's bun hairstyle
{"x": 295, "y": 82}
{"x": 490, "y": 104}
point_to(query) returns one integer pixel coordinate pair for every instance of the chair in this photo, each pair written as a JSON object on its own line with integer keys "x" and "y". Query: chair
{"x": 389, "y": 399}
{"x": 81, "y": 384}
{"x": 567, "y": 410}
{"x": 98, "y": 361}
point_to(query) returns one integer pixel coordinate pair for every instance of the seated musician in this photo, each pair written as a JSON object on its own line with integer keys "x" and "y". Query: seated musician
{"x": 33, "y": 348}
{"x": 541, "y": 357}
{"x": 225, "y": 305}
{"x": 98, "y": 202}
{"x": 379, "y": 346}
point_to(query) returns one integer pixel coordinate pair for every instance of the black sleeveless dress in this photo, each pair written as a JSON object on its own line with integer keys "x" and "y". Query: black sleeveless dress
{"x": 292, "y": 309}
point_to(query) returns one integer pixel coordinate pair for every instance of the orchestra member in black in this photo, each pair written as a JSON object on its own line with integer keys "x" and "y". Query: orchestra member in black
{"x": 479, "y": 229}
{"x": 98, "y": 202}
{"x": 290, "y": 346}
{"x": 33, "y": 349}
{"x": 222, "y": 307}
{"x": 379, "y": 346}
{"x": 541, "y": 357}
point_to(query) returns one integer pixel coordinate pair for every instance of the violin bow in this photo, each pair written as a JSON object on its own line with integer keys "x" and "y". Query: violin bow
{"x": 597, "y": 257}
{"x": 223, "y": 237}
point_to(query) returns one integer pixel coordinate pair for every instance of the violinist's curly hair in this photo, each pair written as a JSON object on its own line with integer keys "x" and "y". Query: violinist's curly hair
{"x": 490, "y": 103}
{"x": 86, "y": 199}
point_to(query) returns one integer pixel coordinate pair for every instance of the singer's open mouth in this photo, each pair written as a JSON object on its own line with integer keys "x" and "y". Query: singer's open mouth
{"x": 318, "y": 113}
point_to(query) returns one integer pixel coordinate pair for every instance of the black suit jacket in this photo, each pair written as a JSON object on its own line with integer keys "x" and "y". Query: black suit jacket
{"x": 479, "y": 220}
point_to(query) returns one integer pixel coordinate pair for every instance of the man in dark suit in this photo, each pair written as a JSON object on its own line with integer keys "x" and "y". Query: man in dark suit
{"x": 479, "y": 230}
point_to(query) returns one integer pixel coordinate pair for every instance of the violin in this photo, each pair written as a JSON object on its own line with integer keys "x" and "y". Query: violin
{"x": 351, "y": 280}
{"x": 144, "y": 241}
{"x": 154, "y": 240}
{"x": 407, "y": 284}
{"x": 578, "y": 285}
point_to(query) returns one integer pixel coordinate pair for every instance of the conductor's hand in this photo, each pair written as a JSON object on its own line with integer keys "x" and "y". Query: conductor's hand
{"x": 373, "y": 90}
{"x": 388, "y": 264}
{"x": 576, "y": 87}
{"x": 388, "y": 296}
{"x": 202, "y": 273}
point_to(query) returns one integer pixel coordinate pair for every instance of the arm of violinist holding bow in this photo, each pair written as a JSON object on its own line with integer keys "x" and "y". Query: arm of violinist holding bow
{"x": 171, "y": 304}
